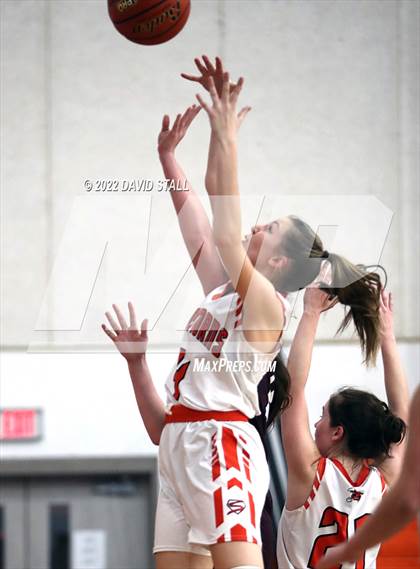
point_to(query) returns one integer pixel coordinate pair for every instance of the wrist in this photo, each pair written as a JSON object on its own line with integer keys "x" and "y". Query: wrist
{"x": 313, "y": 313}
{"x": 166, "y": 154}
{"x": 135, "y": 360}
{"x": 388, "y": 340}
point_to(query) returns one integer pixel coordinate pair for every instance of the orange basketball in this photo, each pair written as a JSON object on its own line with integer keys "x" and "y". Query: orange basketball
{"x": 149, "y": 22}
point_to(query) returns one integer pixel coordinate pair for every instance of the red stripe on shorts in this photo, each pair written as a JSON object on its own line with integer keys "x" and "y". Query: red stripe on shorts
{"x": 251, "y": 508}
{"x": 234, "y": 482}
{"x": 238, "y": 533}
{"x": 218, "y": 506}
{"x": 230, "y": 444}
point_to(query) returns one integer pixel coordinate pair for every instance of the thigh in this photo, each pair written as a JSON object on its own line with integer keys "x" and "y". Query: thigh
{"x": 182, "y": 560}
{"x": 233, "y": 554}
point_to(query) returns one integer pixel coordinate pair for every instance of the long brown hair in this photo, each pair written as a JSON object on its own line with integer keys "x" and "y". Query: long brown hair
{"x": 353, "y": 285}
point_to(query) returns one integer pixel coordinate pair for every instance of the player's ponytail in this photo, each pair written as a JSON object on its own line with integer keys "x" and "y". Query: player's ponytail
{"x": 354, "y": 286}
{"x": 359, "y": 290}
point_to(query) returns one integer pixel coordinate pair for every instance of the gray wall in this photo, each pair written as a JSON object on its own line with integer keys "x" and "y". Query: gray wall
{"x": 334, "y": 91}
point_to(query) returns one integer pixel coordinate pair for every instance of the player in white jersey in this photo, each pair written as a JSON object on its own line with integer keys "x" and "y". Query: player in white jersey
{"x": 396, "y": 510}
{"x": 282, "y": 256}
{"x": 337, "y": 480}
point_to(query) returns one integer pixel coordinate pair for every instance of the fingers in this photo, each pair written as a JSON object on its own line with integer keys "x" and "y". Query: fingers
{"x": 120, "y": 316}
{"x": 203, "y": 104}
{"x": 391, "y": 301}
{"x": 189, "y": 116}
{"x": 132, "y": 313}
{"x": 234, "y": 94}
{"x": 191, "y": 77}
{"x": 113, "y": 323}
{"x": 200, "y": 66}
{"x": 225, "y": 88}
{"x": 176, "y": 123}
{"x": 219, "y": 66}
{"x": 242, "y": 114}
{"x": 108, "y": 332}
{"x": 144, "y": 326}
{"x": 165, "y": 123}
{"x": 209, "y": 65}
{"x": 213, "y": 92}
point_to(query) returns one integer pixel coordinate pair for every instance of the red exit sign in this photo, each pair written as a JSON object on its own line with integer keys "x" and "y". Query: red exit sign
{"x": 20, "y": 424}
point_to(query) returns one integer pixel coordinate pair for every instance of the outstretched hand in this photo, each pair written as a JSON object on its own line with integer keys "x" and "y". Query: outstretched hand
{"x": 130, "y": 342}
{"x": 224, "y": 120}
{"x": 169, "y": 138}
{"x": 386, "y": 315}
{"x": 208, "y": 70}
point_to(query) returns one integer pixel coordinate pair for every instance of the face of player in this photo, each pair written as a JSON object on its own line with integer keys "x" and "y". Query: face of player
{"x": 262, "y": 244}
{"x": 326, "y": 436}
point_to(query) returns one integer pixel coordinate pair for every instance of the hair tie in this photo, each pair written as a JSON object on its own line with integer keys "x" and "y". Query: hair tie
{"x": 325, "y": 254}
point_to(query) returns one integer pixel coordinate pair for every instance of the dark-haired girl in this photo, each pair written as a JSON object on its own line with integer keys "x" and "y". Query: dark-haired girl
{"x": 337, "y": 479}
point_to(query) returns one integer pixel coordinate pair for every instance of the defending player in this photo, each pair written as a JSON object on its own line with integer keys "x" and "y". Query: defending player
{"x": 396, "y": 510}
{"x": 337, "y": 480}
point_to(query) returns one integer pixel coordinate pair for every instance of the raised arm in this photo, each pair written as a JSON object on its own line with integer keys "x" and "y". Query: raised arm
{"x": 300, "y": 449}
{"x": 263, "y": 315}
{"x": 132, "y": 344}
{"x": 398, "y": 507}
{"x": 192, "y": 218}
{"x": 395, "y": 383}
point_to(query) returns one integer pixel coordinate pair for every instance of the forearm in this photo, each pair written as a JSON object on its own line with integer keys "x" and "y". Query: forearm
{"x": 224, "y": 196}
{"x": 395, "y": 380}
{"x": 149, "y": 403}
{"x": 192, "y": 217}
{"x": 211, "y": 172}
{"x": 300, "y": 355}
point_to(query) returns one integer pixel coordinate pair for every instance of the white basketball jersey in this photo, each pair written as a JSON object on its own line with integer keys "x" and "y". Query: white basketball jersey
{"x": 217, "y": 368}
{"x": 335, "y": 509}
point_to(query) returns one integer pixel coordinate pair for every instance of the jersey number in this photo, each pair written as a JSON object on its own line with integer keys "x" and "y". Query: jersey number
{"x": 332, "y": 517}
{"x": 180, "y": 372}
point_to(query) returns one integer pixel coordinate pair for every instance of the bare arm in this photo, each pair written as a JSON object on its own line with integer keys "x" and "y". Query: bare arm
{"x": 192, "y": 218}
{"x": 262, "y": 310}
{"x": 132, "y": 345}
{"x": 395, "y": 384}
{"x": 300, "y": 448}
{"x": 397, "y": 508}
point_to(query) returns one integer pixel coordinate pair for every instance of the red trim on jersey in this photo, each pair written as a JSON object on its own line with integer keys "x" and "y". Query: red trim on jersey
{"x": 254, "y": 540}
{"x": 246, "y": 453}
{"x": 234, "y": 482}
{"x": 363, "y": 474}
{"x": 182, "y": 414}
{"x": 221, "y": 539}
{"x": 218, "y": 507}
{"x": 220, "y": 294}
{"x": 320, "y": 470}
{"x": 243, "y": 439}
{"x": 229, "y": 444}
{"x": 238, "y": 533}
{"x": 383, "y": 483}
{"x": 251, "y": 508}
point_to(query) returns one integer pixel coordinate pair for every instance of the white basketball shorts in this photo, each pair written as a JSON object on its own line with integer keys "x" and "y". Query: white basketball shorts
{"x": 214, "y": 480}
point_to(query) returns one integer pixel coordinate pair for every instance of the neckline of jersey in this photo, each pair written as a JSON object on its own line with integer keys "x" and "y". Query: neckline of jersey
{"x": 363, "y": 474}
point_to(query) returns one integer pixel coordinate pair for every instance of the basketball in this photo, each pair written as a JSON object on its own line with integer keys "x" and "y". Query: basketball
{"x": 149, "y": 22}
